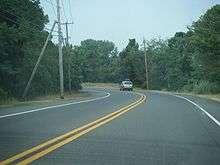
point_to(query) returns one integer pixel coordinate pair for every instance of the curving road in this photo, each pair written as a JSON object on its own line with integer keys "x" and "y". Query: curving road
{"x": 163, "y": 130}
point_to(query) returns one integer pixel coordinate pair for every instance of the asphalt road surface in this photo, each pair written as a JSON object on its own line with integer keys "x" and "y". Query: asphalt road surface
{"x": 161, "y": 130}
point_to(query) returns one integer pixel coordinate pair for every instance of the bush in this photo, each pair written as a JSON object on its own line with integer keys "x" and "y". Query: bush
{"x": 205, "y": 87}
{"x": 187, "y": 88}
{"x": 3, "y": 95}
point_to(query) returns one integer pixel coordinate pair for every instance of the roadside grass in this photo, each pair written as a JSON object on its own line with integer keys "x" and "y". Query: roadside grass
{"x": 100, "y": 85}
{"x": 215, "y": 97}
{"x": 106, "y": 85}
{"x": 10, "y": 101}
{"x": 55, "y": 99}
{"x": 68, "y": 96}
{"x": 47, "y": 100}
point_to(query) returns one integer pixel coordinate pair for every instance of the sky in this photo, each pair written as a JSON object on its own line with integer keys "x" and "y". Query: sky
{"x": 119, "y": 20}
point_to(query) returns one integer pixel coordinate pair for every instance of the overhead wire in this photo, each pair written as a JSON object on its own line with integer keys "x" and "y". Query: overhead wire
{"x": 9, "y": 18}
{"x": 19, "y": 17}
{"x": 54, "y": 11}
{"x": 50, "y": 2}
{"x": 71, "y": 15}
{"x": 52, "y": 6}
{"x": 63, "y": 9}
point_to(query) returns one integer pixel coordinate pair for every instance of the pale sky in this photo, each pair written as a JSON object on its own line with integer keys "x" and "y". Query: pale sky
{"x": 119, "y": 20}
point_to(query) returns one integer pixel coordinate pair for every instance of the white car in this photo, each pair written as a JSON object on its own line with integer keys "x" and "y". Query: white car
{"x": 126, "y": 85}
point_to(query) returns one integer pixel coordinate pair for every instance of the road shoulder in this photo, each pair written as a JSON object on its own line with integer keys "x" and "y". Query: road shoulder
{"x": 37, "y": 104}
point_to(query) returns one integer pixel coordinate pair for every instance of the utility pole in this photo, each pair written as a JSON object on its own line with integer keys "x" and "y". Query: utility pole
{"x": 68, "y": 52}
{"x": 38, "y": 61}
{"x": 60, "y": 50}
{"x": 145, "y": 61}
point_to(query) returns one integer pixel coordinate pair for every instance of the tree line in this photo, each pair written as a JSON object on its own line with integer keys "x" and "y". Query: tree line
{"x": 188, "y": 61}
{"x": 22, "y": 35}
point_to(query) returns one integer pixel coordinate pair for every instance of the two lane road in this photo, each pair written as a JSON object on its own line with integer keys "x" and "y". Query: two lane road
{"x": 163, "y": 130}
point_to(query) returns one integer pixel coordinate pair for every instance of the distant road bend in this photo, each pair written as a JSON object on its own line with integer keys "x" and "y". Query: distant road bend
{"x": 116, "y": 127}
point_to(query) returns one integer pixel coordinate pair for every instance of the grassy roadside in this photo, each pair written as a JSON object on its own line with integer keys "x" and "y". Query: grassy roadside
{"x": 54, "y": 99}
{"x": 47, "y": 100}
{"x": 100, "y": 85}
{"x": 215, "y": 97}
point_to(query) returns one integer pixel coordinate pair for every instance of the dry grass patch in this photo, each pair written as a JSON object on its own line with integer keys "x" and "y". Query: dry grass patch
{"x": 47, "y": 100}
{"x": 100, "y": 85}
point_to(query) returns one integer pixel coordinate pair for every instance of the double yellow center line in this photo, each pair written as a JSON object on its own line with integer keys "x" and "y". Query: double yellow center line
{"x": 41, "y": 150}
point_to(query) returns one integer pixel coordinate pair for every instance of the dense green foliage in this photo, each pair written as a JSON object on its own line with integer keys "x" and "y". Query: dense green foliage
{"x": 22, "y": 36}
{"x": 96, "y": 61}
{"x": 131, "y": 62}
{"x": 187, "y": 61}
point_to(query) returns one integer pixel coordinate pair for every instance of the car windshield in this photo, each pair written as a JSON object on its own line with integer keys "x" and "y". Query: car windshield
{"x": 127, "y": 82}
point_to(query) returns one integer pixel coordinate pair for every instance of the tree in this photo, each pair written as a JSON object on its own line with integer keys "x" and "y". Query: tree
{"x": 22, "y": 36}
{"x": 131, "y": 62}
{"x": 206, "y": 40}
{"x": 157, "y": 58}
{"x": 179, "y": 61}
{"x": 96, "y": 61}
{"x": 17, "y": 30}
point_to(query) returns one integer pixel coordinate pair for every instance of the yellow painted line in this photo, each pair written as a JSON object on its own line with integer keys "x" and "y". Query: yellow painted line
{"x": 87, "y": 127}
{"x": 66, "y": 141}
{"x": 18, "y": 156}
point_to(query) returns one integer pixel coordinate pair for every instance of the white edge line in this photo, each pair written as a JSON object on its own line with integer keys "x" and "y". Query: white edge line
{"x": 55, "y": 106}
{"x": 198, "y": 106}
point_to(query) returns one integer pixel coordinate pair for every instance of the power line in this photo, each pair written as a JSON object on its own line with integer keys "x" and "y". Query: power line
{"x": 9, "y": 19}
{"x": 53, "y": 8}
{"x": 50, "y": 2}
{"x": 21, "y": 18}
{"x": 63, "y": 10}
{"x": 70, "y": 14}
{"x": 15, "y": 22}
{"x": 70, "y": 10}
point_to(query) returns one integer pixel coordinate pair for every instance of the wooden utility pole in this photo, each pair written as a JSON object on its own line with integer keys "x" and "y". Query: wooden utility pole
{"x": 145, "y": 62}
{"x": 38, "y": 61}
{"x": 60, "y": 38}
{"x": 69, "y": 53}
